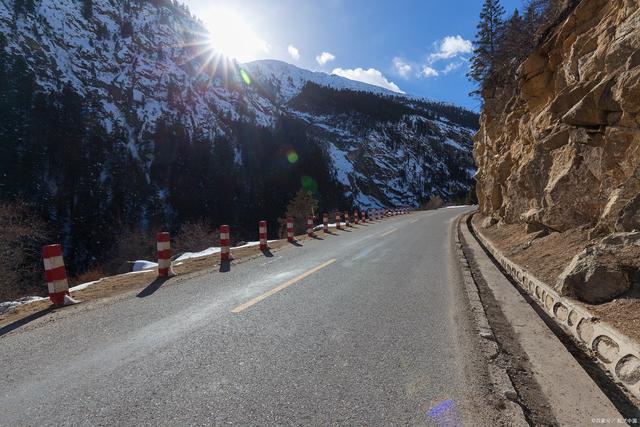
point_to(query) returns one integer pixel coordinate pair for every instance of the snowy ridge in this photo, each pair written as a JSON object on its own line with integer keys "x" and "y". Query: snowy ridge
{"x": 159, "y": 68}
{"x": 288, "y": 80}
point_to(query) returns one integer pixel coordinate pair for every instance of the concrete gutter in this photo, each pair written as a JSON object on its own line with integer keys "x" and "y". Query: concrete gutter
{"x": 498, "y": 374}
{"x": 619, "y": 354}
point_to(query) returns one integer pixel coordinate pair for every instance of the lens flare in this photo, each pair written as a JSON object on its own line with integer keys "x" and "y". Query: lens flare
{"x": 309, "y": 183}
{"x": 444, "y": 414}
{"x": 245, "y": 76}
{"x": 292, "y": 157}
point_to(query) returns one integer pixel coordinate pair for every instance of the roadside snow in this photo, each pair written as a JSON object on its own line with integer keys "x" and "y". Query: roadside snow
{"x": 141, "y": 264}
{"x": 215, "y": 250}
{"x": 10, "y": 305}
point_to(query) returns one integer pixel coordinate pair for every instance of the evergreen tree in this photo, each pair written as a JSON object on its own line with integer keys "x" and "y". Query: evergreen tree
{"x": 302, "y": 205}
{"x": 87, "y": 9}
{"x": 487, "y": 43}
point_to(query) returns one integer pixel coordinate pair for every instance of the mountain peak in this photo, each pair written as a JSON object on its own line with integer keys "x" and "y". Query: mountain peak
{"x": 288, "y": 80}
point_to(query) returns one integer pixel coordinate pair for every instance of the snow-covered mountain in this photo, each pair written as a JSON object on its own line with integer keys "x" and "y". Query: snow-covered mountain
{"x": 287, "y": 80}
{"x": 143, "y": 98}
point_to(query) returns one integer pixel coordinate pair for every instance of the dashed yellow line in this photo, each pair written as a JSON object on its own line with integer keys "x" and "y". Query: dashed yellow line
{"x": 388, "y": 232}
{"x": 288, "y": 283}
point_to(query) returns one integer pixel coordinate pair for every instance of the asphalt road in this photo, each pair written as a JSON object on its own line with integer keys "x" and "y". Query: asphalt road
{"x": 360, "y": 328}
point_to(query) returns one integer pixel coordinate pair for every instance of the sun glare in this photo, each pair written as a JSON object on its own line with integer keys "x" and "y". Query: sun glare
{"x": 232, "y": 36}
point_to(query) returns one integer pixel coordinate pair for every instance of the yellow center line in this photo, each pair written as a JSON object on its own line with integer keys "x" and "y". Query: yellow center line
{"x": 388, "y": 232}
{"x": 267, "y": 294}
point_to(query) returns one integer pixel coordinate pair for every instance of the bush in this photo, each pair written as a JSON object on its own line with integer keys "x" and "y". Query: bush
{"x": 195, "y": 237}
{"x": 23, "y": 235}
{"x": 434, "y": 203}
{"x": 132, "y": 245}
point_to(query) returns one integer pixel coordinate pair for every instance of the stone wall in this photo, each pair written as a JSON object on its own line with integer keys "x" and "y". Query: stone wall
{"x": 560, "y": 148}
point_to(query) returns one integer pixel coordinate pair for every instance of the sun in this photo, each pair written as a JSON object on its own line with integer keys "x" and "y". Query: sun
{"x": 232, "y": 36}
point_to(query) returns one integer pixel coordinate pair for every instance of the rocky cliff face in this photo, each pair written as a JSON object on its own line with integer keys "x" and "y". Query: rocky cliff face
{"x": 561, "y": 148}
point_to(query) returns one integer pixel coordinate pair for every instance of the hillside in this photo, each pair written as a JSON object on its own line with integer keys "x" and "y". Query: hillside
{"x": 119, "y": 115}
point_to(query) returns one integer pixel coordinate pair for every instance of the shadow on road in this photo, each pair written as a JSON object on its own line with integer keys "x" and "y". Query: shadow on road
{"x": 152, "y": 287}
{"x": 294, "y": 243}
{"x": 30, "y": 318}
{"x": 316, "y": 237}
{"x": 267, "y": 253}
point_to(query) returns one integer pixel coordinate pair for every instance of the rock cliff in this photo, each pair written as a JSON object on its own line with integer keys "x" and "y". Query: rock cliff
{"x": 559, "y": 148}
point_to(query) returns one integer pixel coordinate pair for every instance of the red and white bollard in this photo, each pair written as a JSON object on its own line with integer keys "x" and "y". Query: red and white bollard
{"x": 325, "y": 223}
{"x": 356, "y": 218}
{"x": 338, "y": 226}
{"x": 163, "y": 246}
{"x": 346, "y": 219}
{"x": 376, "y": 211}
{"x": 310, "y": 226}
{"x": 225, "y": 249}
{"x": 289, "y": 229}
{"x": 56, "y": 275}
{"x": 371, "y": 218}
{"x": 262, "y": 235}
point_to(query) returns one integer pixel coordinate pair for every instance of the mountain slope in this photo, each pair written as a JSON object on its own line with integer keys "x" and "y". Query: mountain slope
{"x": 118, "y": 114}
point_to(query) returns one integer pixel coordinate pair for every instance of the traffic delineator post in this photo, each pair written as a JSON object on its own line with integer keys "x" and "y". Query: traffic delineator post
{"x": 262, "y": 235}
{"x": 289, "y": 229}
{"x": 310, "y": 226}
{"x": 163, "y": 247}
{"x": 225, "y": 248}
{"x": 56, "y": 275}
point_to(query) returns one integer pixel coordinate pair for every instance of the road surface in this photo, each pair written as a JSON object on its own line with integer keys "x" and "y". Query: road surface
{"x": 363, "y": 327}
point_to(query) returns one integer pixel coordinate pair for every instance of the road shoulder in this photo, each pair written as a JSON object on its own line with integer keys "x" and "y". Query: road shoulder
{"x": 488, "y": 388}
{"x": 551, "y": 385}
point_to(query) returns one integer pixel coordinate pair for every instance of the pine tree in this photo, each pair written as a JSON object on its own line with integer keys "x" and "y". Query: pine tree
{"x": 87, "y": 9}
{"x": 487, "y": 43}
{"x": 301, "y": 206}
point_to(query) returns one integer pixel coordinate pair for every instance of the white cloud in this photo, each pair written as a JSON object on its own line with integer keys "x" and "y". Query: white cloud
{"x": 294, "y": 52}
{"x": 429, "y": 72}
{"x": 371, "y": 76}
{"x": 325, "y": 57}
{"x": 450, "y": 47}
{"x": 452, "y": 67}
{"x": 402, "y": 68}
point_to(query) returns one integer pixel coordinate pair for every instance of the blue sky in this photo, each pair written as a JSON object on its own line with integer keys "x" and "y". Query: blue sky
{"x": 416, "y": 46}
